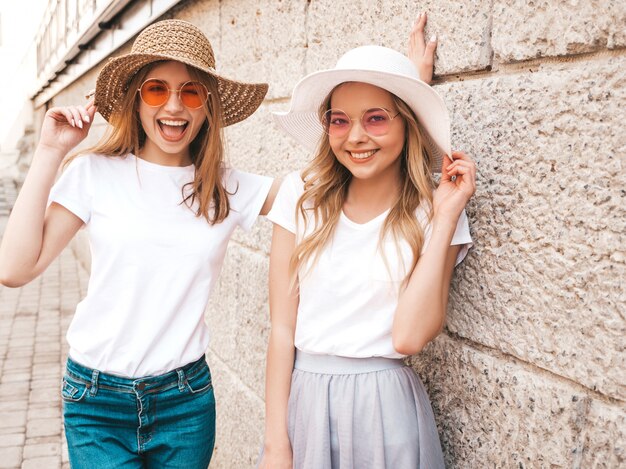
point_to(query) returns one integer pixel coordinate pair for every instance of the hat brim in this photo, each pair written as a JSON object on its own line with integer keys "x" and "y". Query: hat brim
{"x": 239, "y": 100}
{"x": 302, "y": 120}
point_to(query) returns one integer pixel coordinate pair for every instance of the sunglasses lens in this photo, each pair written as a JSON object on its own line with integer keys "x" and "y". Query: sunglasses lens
{"x": 193, "y": 94}
{"x": 376, "y": 121}
{"x": 336, "y": 123}
{"x": 154, "y": 92}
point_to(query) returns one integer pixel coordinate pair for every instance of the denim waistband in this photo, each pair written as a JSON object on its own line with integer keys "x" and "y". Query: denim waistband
{"x": 333, "y": 364}
{"x": 96, "y": 379}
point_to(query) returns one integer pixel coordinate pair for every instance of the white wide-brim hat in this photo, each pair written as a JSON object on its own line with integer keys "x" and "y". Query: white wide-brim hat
{"x": 379, "y": 66}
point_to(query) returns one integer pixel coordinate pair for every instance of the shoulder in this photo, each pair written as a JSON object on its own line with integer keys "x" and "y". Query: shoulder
{"x": 90, "y": 161}
{"x": 294, "y": 182}
{"x": 236, "y": 180}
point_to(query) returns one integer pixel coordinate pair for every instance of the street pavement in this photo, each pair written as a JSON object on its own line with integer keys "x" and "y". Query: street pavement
{"x": 33, "y": 322}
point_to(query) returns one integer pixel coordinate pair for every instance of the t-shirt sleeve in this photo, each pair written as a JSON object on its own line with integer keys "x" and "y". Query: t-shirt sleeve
{"x": 462, "y": 236}
{"x": 74, "y": 189}
{"x": 249, "y": 192}
{"x": 283, "y": 212}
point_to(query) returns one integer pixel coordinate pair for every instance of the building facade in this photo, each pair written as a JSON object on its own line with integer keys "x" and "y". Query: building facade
{"x": 529, "y": 371}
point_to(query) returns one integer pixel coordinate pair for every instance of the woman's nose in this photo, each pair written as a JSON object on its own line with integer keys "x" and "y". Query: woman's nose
{"x": 173, "y": 102}
{"x": 357, "y": 132}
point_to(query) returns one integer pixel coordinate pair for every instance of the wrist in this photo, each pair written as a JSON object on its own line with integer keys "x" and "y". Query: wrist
{"x": 445, "y": 220}
{"x": 49, "y": 153}
{"x": 276, "y": 443}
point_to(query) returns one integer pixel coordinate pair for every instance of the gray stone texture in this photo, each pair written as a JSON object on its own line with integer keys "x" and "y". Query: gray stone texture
{"x": 264, "y": 41}
{"x": 525, "y": 30}
{"x": 496, "y": 411}
{"x": 240, "y": 417}
{"x": 238, "y": 316}
{"x": 545, "y": 280}
{"x": 462, "y": 28}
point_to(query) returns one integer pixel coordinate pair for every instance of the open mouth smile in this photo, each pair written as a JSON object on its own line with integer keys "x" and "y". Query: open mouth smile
{"x": 361, "y": 156}
{"x": 172, "y": 130}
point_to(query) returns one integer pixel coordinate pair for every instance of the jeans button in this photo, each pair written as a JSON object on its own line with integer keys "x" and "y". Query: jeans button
{"x": 141, "y": 386}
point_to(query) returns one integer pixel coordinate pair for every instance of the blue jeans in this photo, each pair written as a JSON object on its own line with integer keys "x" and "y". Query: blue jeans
{"x": 165, "y": 421}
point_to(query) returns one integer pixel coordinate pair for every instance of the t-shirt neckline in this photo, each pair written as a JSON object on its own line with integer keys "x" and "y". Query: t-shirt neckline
{"x": 377, "y": 220}
{"x": 159, "y": 167}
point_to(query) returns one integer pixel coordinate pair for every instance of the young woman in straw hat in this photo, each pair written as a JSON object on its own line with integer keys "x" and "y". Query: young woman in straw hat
{"x": 159, "y": 206}
{"x": 362, "y": 255}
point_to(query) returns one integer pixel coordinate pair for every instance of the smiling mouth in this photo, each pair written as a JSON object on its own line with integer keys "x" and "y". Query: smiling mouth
{"x": 361, "y": 156}
{"x": 172, "y": 130}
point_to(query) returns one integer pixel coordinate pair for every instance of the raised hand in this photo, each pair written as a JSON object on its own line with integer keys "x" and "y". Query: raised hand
{"x": 65, "y": 127}
{"x": 422, "y": 53}
{"x": 451, "y": 196}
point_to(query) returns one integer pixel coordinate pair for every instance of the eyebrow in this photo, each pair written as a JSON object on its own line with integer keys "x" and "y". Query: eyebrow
{"x": 168, "y": 83}
{"x": 336, "y": 109}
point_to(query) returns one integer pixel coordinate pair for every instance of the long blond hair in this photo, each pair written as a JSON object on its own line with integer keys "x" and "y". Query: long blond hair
{"x": 126, "y": 135}
{"x": 326, "y": 183}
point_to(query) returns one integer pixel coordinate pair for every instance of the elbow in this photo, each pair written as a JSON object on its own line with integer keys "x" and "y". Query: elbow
{"x": 11, "y": 282}
{"x": 9, "y": 279}
{"x": 406, "y": 346}
{"x": 411, "y": 344}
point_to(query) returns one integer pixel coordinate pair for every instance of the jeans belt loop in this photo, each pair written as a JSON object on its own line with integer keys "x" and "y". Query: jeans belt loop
{"x": 94, "y": 383}
{"x": 182, "y": 379}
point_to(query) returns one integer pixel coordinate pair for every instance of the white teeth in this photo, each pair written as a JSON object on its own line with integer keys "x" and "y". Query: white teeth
{"x": 172, "y": 123}
{"x": 362, "y": 156}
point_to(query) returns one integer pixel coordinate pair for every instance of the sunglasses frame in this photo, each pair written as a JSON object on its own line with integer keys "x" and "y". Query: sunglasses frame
{"x": 169, "y": 92}
{"x": 360, "y": 119}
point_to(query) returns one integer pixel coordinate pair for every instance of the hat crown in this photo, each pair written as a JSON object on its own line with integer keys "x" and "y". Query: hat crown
{"x": 377, "y": 59}
{"x": 176, "y": 39}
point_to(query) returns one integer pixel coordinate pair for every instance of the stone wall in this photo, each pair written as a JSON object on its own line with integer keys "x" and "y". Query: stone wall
{"x": 529, "y": 371}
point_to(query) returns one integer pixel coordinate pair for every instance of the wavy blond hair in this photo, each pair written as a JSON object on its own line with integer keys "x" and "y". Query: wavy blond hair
{"x": 326, "y": 184}
{"x": 126, "y": 135}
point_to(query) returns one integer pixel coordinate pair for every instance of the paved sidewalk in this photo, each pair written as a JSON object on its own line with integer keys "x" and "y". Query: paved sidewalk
{"x": 33, "y": 321}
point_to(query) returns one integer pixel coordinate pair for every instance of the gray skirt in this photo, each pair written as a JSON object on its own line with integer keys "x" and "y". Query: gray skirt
{"x": 360, "y": 413}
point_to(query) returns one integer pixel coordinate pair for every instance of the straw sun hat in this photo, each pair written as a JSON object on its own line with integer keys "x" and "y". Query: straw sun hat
{"x": 181, "y": 41}
{"x": 379, "y": 66}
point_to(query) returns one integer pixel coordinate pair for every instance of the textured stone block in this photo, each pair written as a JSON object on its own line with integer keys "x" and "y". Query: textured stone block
{"x": 11, "y": 457}
{"x": 205, "y": 14}
{"x": 493, "y": 411}
{"x": 240, "y": 418}
{"x": 605, "y": 436}
{"x": 42, "y": 450}
{"x": 462, "y": 28}
{"x": 38, "y": 463}
{"x": 544, "y": 281}
{"x": 264, "y": 41}
{"x": 238, "y": 315}
{"x": 526, "y": 30}
{"x": 14, "y": 439}
{"x": 43, "y": 427}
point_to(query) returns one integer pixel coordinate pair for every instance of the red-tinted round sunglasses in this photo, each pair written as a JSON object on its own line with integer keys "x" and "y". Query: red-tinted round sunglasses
{"x": 155, "y": 93}
{"x": 375, "y": 122}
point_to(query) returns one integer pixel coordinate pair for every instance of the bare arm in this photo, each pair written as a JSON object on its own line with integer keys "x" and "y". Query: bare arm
{"x": 281, "y": 351}
{"x": 422, "y": 53}
{"x": 422, "y": 305}
{"x": 34, "y": 235}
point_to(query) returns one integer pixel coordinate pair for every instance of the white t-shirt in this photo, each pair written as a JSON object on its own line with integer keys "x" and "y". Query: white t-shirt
{"x": 154, "y": 262}
{"x": 349, "y": 296}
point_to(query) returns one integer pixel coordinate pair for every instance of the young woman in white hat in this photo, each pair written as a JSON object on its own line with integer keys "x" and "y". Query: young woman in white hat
{"x": 159, "y": 206}
{"x": 362, "y": 255}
